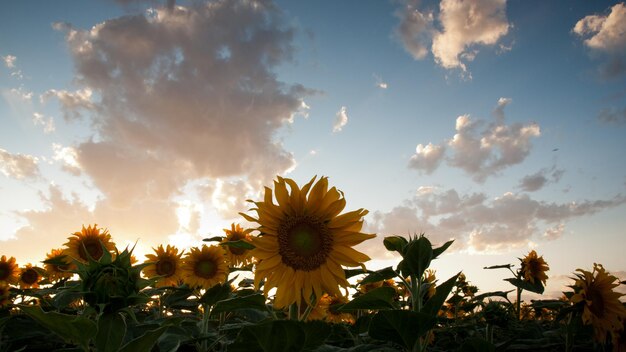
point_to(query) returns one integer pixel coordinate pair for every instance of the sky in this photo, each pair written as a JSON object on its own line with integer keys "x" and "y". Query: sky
{"x": 499, "y": 124}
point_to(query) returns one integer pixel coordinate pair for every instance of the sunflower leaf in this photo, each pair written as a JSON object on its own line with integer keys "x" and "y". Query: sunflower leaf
{"x": 275, "y": 336}
{"x": 71, "y": 328}
{"x": 378, "y": 298}
{"x": 433, "y": 305}
{"x": 400, "y": 326}
{"x": 238, "y": 244}
{"x": 215, "y": 294}
{"x": 111, "y": 331}
{"x": 213, "y": 239}
{"x": 395, "y": 243}
{"x": 254, "y": 301}
{"x": 482, "y": 296}
{"x": 536, "y": 287}
{"x": 354, "y": 272}
{"x": 379, "y": 275}
{"x": 145, "y": 342}
{"x": 503, "y": 266}
{"x": 437, "y": 251}
{"x": 417, "y": 256}
{"x": 477, "y": 344}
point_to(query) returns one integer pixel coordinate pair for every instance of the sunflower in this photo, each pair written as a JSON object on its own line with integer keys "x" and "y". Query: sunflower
{"x": 5, "y": 294}
{"x": 304, "y": 241}
{"x": 164, "y": 265}
{"x": 30, "y": 276}
{"x": 238, "y": 256}
{"x": 205, "y": 267}
{"x": 9, "y": 271}
{"x": 429, "y": 279}
{"x": 601, "y": 305}
{"x": 534, "y": 268}
{"x": 89, "y": 242}
{"x": 57, "y": 265}
{"x": 330, "y": 303}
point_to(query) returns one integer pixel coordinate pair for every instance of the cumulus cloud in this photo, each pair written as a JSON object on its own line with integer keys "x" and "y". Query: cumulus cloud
{"x": 47, "y": 124}
{"x": 72, "y": 103}
{"x": 18, "y": 166}
{"x": 9, "y": 61}
{"x": 427, "y": 157}
{"x": 605, "y": 35}
{"x": 536, "y": 181}
{"x": 415, "y": 29}
{"x": 341, "y": 119}
{"x": 613, "y": 116}
{"x": 480, "y": 149}
{"x": 167, "y": 110}
{"x": 480, "y": 223}
{"x": 68, "y": 158}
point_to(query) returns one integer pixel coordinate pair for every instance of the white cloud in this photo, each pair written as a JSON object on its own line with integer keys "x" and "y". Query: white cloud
{"x": 483, "y": 224}
{"x": 536, "y": 181}
{"x": 47, "y": 124}
{"x": 606, "y": 34}
{"x": 427, "y": 157}
{"x": 415, "y": 29}
{"x": 478, "y": 149}
{"x": 467, "y": 24}
{"x": 9, "y": 61}
{"x": 380, "y": 83}
{"x": 341, "y": 119}
{"x": 18, "y": 166}
{"x": 68, "y": 157}
{"x": 72, "y": 103}
{"x": 22, "y": 94}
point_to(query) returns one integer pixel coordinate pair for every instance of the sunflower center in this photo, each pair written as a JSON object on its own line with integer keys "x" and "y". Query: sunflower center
{"x": 165, "y": 267}
{"x": 597, "y": 301}
{"x": 29, "y": 276}
{"x": 4, "y": 271}
{"x": 304, "y": 242}
{"x": 91, "y": 246}
{"x": 205, "y": 269}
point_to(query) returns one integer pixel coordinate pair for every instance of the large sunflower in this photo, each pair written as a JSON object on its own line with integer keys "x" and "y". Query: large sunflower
{"x": 89, "y": 242}
{"x": 304, "y": 242}
{"x": 164, "y": 265}
{"x": 9, "y": 271}
{"x": 238, "y": 256}
{"x": 29, "y": 276}
{"x": 601, "y": 305}
{"x": 534, "y": 268}
{"x": 205, "y": 267}
{"x": 5, "y": 294}
{"x": 57, "y": 265}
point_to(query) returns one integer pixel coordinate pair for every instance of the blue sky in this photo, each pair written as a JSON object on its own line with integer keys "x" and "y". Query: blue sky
{"x": 500, "y": 124}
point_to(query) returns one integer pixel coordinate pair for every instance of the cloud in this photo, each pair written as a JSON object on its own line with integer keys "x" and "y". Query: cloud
{"x": 536, "y": 181}
{"x": 606, "y": 35}
{"x": 40, "y": 120}
{"x": 68, "y": 157}
{"x": 9, "y": 61}
{"x": 466, "y": 24}
{"x": 380, "y": 83}
{"x": 481, "y": 150}
{"x": 18, "y": 166}
{"x": 483, "y": 224}
{"x": 415, "y": 29}
{"x": 166, "y": 110}
{"x": 613, "y": 116}
{"x": 427, "y": 157}
{"x": 21, "y": 94}
{"x": 341, "y": 119}
{"x": 72, "y": 103}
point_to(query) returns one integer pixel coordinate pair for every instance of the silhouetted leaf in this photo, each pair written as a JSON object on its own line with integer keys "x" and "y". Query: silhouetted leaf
{"x": 400, "y": 326}
{"x": 537, "y": 287}
{"x": 379, "y": 275}
{"x": 378, "y": 298}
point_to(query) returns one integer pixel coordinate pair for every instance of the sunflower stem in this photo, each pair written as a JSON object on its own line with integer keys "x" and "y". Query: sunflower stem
{"x": 293, "y": 312}
{"x": 569, "y": 336}
{"x": 309, "y": 309}
{"x": 415, "y": 293}
{"x": 206, "y": 312}
{"x": 518, "y": 304}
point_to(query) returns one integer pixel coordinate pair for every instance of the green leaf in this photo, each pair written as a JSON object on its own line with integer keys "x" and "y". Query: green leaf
{"x": 378, "y": 298}
{"x": 503, "y": 294}
{"x": 477, "y": 344}
{"x": 271, "y": 336}
{"x": 437, "y": 251}
{"x": 213, "y": 239}
{"x": 395, "y": 243}
{"x": 71, "y": 328}
{"x": 537, "y": 287}
{"x": 111, "y": 331}
{"x": 354, "y": 272}
{"x": 216, "y": 293}
{"x": 400, "y": 326}
{"x": 255, "y": 301}
{"x": 145, "y": 342}
{"x": 238, "y": 244}
{"x": 379, "y": 275}
{"x": 503, "y": 266}
{"x": 316, "y": 333}
{"x": 433, "y": 305}
{"x": 417, "y": 256}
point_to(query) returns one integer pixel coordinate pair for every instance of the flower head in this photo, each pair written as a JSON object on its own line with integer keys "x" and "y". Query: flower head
{"x": 534, "y": 268}
{"x": 238, "y": 256}
{"x": 329, "y": 304}
{"x": 89, "y": 242}
{"x": 5, "y": 294}
{"x": 304, "y": 242}
{"x": 205, "y": 267}
{"x": 593, "y": 291}
{"x": 430, "y": 278}
{"x": 9, "y": 271}
{"x": 30, "y": 276}
{"x": 164, "y": 265}
{"x": 57, "y": 265}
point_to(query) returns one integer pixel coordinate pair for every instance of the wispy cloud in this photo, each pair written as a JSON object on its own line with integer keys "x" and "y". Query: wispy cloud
{"x": 536, "y": 181}
{"x": 18, "y": 166}
{"x": 341, "y": 119}
{"x": 9, "y": 61}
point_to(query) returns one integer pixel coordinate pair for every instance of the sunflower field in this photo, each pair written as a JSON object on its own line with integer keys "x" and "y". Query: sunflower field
{"x": 294, "y": 282}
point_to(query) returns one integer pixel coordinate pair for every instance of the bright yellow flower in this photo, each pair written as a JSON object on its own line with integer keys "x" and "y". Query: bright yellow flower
{"x": 5, "y": 294}
{"x": 601, "y": 305}
{"x": 58, "y": 271}
{"x": 238, "y": 256}
{"x": 164, "y": 264}
{"x": 9, "y": 271}
{"x": 534, "y": 268}
{"x": 329, "y": 304}
{"x": 29, "y": 276}
{"x": 304, "y": 242}
{"x": 89, "y": 241}
{"x": 205, "y": 267}
{"x": 430, "y": 278}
